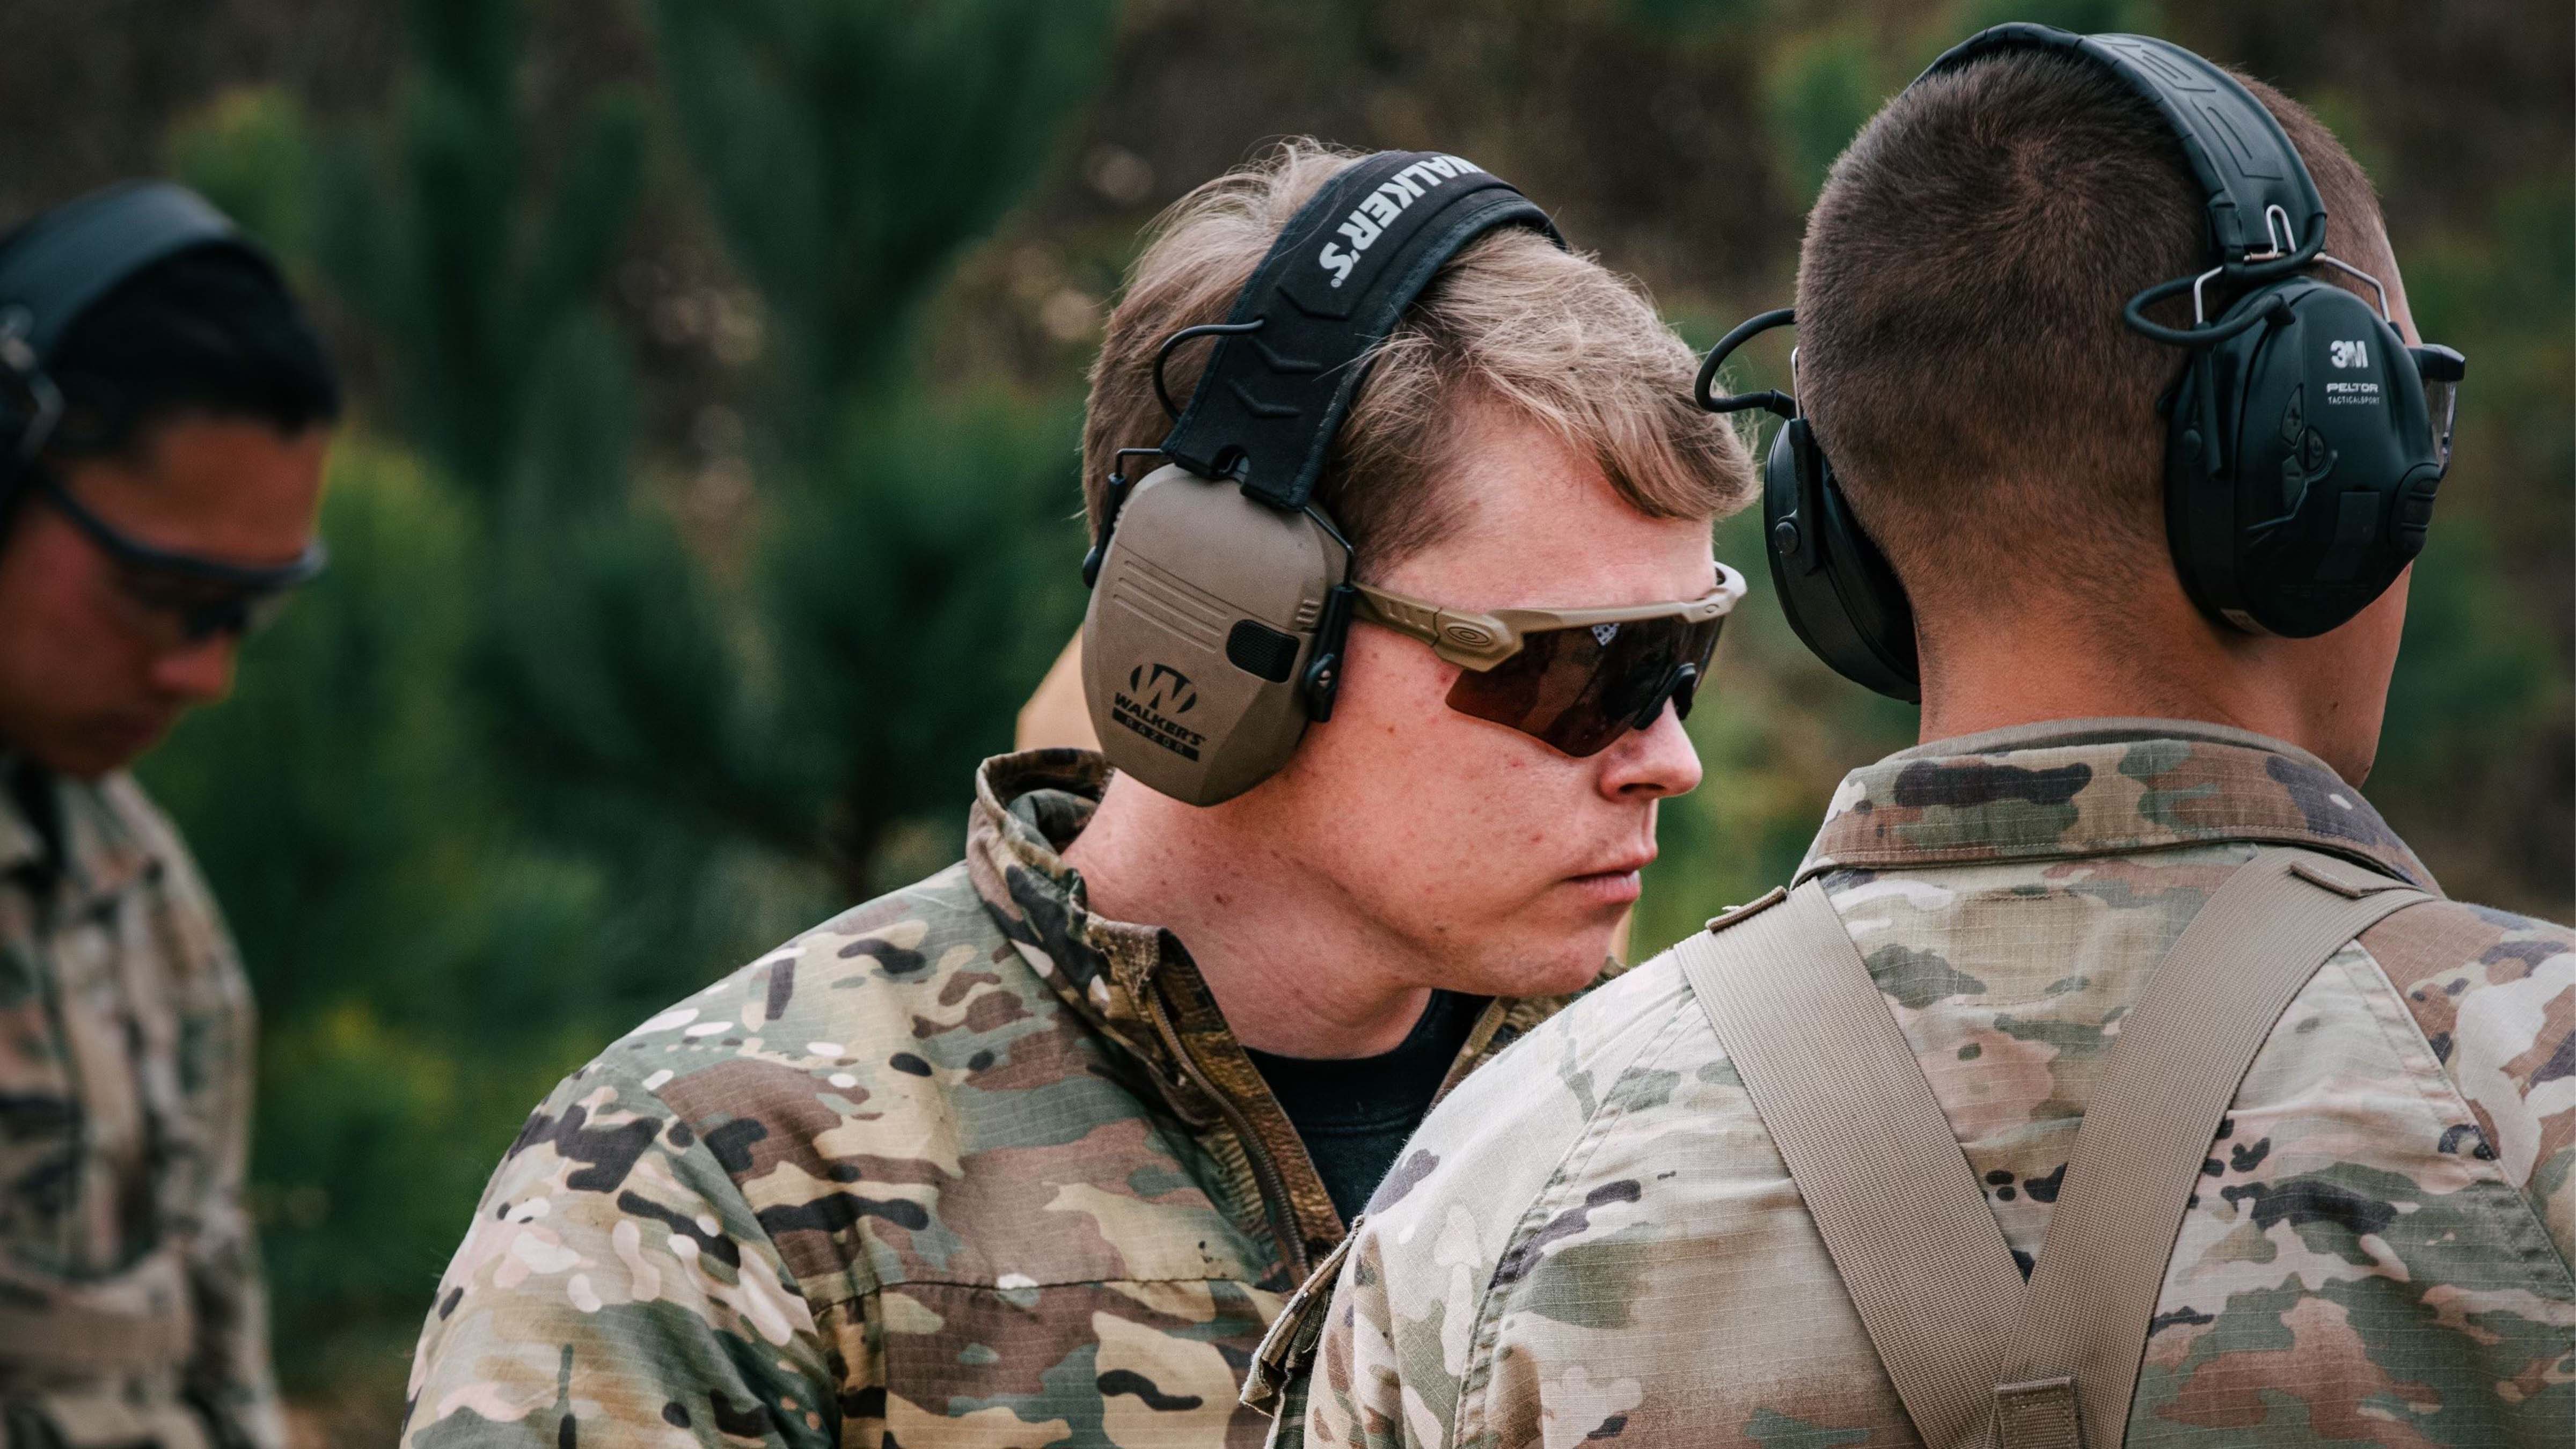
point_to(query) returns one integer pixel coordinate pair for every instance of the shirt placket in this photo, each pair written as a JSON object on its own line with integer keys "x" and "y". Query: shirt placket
{"x": 99, "y": 1037}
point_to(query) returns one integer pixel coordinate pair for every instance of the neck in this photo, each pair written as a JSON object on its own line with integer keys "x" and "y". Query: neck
{"x": 1296, "y": 968}
{"x": 2037, "y": 659}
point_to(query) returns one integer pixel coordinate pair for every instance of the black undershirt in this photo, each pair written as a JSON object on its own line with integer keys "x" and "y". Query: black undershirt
{"x": 1354, "y": 1113}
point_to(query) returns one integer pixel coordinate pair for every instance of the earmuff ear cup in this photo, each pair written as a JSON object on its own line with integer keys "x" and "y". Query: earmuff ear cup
{"x": 1840, "y": 595}
{"x": 1200, "y": 632}
{"x": 2300, "y": 463}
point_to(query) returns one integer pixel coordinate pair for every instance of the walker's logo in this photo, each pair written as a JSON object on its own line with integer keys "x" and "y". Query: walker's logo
{"x": 1152, "y": 697}
{"x": 1381, "y": 207}
{"x": 1166, "y": 689}
{"x": 2355, "y": 353}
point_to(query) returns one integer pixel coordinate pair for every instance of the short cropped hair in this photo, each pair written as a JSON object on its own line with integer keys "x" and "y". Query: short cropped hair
{"x": 1511, "y": 320}
{"x": 207, "y": 332}
{"x": 1961, "y": 352}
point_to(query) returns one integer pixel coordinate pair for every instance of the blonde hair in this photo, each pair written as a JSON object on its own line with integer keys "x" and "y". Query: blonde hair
{"x": 1510, "y": 321}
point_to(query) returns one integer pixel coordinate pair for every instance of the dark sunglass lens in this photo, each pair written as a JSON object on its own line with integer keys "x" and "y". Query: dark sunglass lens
{"x": 1580, "y": 688}
{"x": 1703, "y": 645}
{"x": 1535, "y": 690}
{"x": 200, "y": 622}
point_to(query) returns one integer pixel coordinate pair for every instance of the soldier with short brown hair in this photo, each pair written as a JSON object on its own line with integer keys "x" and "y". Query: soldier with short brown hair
{"x": 1654, "y": 1222}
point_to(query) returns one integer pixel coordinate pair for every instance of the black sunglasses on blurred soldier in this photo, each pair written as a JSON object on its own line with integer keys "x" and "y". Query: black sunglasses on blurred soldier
{"x": 178, "y": 599}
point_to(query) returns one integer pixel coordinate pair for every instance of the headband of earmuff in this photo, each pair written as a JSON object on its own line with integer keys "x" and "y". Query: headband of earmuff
{"x": 57, "y": 266}
{"x": 1343, "y": 270}
{"x": 2265, "y": 217}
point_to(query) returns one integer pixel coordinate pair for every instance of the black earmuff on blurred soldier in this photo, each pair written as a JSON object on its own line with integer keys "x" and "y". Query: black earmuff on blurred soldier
{"x": 54, "y": 270}
{"x": 2306, "y": 440}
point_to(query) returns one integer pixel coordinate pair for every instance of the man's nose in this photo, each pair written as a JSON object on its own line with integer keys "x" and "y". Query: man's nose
{"x": 1652, "y": 763}
{"x": 199, "y": 673}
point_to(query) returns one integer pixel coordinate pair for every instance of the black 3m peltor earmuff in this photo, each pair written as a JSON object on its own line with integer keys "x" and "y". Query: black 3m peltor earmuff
{"x": 58, "y": 266}
{"x": 1220, "y": 592}
{"x": 2306, "y": 439}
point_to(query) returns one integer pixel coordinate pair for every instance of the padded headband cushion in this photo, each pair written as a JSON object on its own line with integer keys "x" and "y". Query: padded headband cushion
{"x": 1330, "y": 290}
{"x": 2238, "y": 152}
{"x": 54, "y": 268}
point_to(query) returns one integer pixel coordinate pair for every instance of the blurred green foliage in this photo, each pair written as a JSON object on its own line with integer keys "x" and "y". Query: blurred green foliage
{"x": 710, "y": 505}
{"x": 1820, "y": 90}
{"x": 437, "y": 232}
{"x": 423, "y": 967}
{"x": 532, "y": 760}
{"x": 849, "y": 150}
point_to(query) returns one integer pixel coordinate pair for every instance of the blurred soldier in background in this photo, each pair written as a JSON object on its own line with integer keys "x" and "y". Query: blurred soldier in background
{"x": 2360, "y": 1231}
{"x": 164, "y": 412}
{"x": 1031, "y": 1151}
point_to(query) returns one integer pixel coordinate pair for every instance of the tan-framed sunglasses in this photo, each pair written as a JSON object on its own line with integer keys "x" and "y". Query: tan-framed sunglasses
{"x": 1575, "y": 679}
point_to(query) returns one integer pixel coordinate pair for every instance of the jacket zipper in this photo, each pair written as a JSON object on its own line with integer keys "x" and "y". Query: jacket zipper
{"x": 1276, "y": 1206}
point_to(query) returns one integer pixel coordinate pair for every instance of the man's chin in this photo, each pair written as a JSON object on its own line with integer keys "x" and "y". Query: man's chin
{"x": 1556, "y": 967}
{"x": 96, "y": 752}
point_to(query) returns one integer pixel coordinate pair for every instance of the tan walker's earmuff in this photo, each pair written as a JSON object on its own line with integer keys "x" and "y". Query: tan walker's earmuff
{"x": 2306, "y": 438}
{"x": 1220, "y": 593}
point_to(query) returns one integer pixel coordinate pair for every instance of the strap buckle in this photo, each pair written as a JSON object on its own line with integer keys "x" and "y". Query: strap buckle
{"x": 2351, "y": 883}
{"x": 2039, "y": 1414}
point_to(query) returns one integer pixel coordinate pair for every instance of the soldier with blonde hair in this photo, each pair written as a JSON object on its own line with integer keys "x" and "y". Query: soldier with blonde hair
{"x": 1032, "y": 1151}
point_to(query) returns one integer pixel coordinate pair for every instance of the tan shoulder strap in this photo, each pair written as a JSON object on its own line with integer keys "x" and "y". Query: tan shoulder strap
{"x": 2182, "y": 1051}
{"x": 1977, "y": 1359}
{"x": 1869, "y": 1149}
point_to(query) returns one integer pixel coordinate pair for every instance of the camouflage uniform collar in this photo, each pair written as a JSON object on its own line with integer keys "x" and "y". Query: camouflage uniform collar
{"x": 22, "y": 845}
{"x": 2097, "y": 787}
{"x": 100, "y": 853}
{"x": 1028, "y": 808}
{"x": 1138, "y": 987}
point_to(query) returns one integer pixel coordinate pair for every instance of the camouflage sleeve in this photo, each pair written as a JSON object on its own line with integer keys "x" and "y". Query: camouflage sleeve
{"x": 230, "y": 1375}
{"x": 1409, "y": 1349}
{"x": 2495, "y": 995}
{"x": 616, "y": 1287}
{"x": 1355, "y": 1394}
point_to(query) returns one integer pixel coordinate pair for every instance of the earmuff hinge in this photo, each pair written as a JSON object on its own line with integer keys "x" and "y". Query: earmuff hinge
{"x": 44, "y": 401}
{"x": 1323, "y": 681}
{"x": 1113, "y": 498}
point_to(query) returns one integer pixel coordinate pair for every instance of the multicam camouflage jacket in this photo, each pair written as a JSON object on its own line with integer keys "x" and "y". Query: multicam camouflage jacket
{"x": 131, "y": 1310}
{"x": 967, "y": 1164}
{"x": 1597, "y": 1240}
